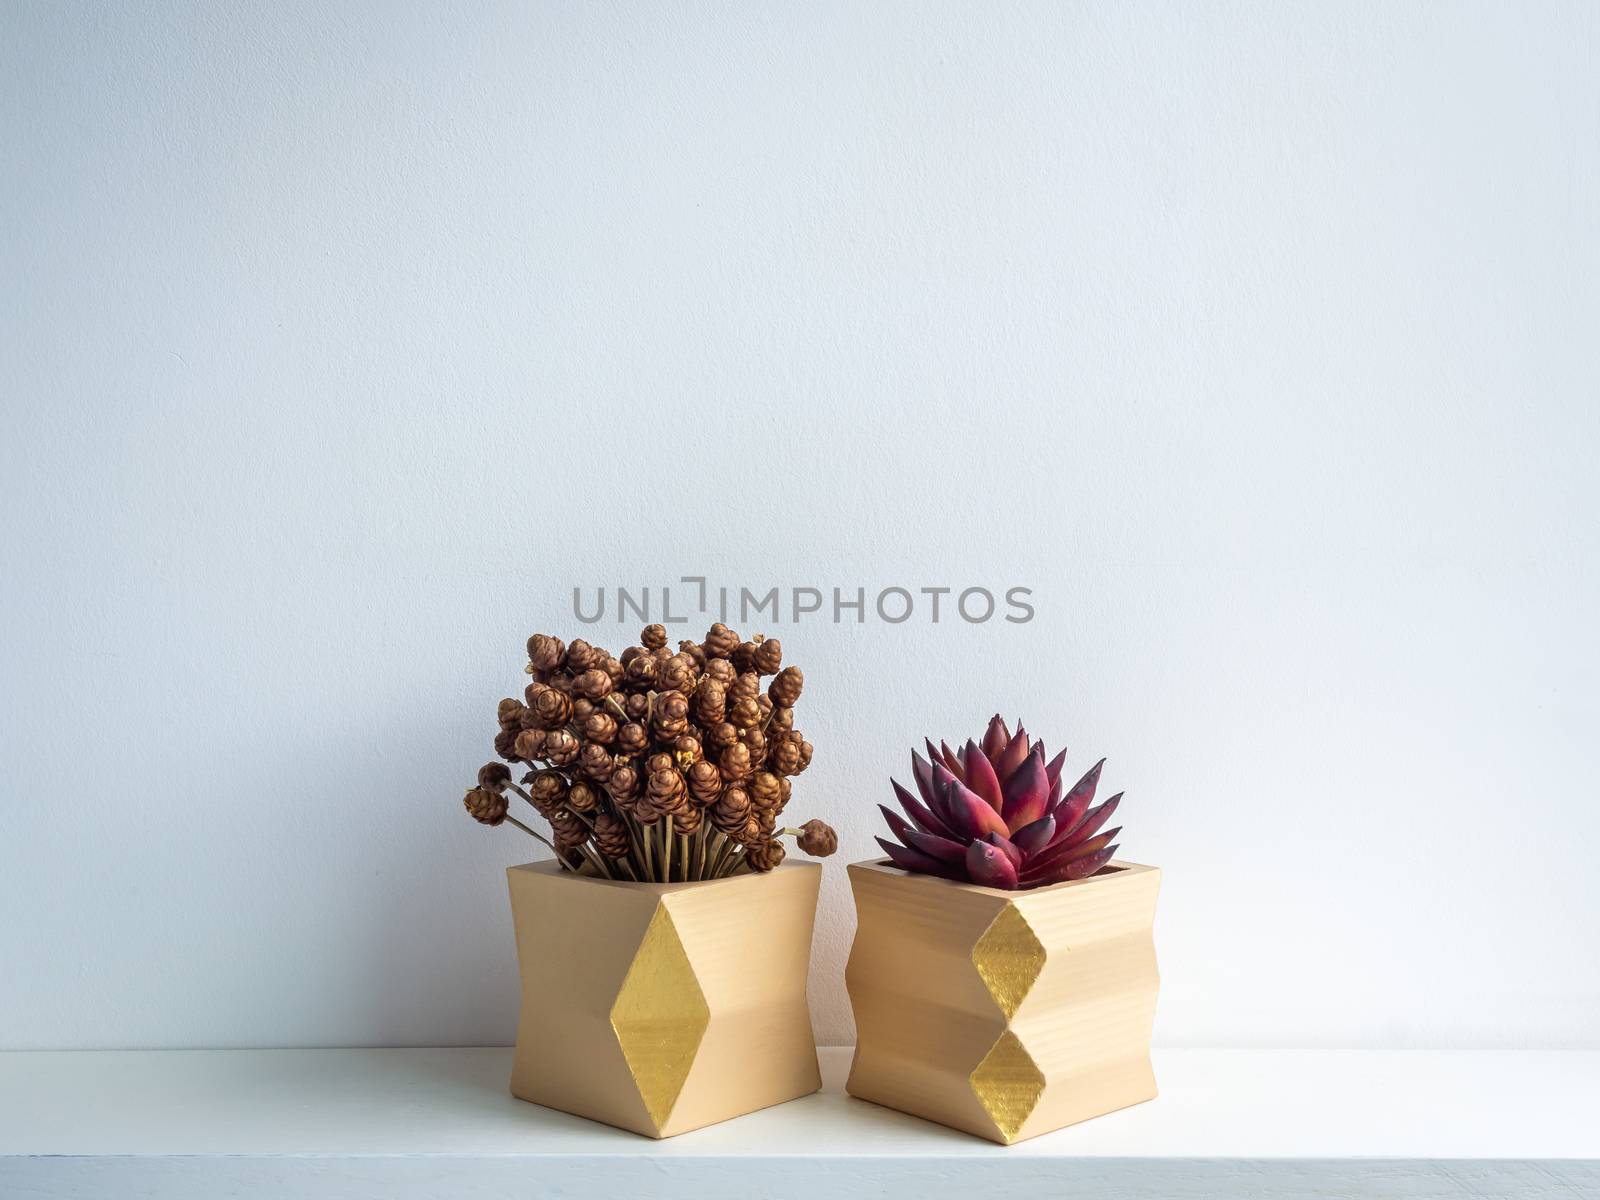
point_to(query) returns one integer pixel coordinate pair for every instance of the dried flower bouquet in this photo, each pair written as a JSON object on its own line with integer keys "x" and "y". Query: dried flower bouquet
{"x": 659, "y": 766}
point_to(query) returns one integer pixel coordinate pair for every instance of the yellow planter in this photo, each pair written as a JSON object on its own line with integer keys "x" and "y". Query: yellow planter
{"x": 1004, "y": 1014}
{"x": 662, "y": 1007}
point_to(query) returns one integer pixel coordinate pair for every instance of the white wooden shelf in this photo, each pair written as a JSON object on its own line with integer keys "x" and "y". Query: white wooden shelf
{"x": 413, "y": 1123}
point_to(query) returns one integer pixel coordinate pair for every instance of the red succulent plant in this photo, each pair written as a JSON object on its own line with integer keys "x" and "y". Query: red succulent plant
{"x": 996, "y": 814}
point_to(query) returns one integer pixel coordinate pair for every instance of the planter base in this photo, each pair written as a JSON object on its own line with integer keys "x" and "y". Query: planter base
{"x": 662, "y": 1007}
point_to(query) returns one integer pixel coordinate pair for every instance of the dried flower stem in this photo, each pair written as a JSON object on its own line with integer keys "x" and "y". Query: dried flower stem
{"x": 599, "y": 860}
{"x": 531, "y": 833}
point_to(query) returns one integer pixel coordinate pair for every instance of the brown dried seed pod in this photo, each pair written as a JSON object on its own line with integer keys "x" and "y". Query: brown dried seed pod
{"x": 661, "y": 760}
{"x": 677, "y": 674}
{"x": 746, "y": 713}
{"x": 721, "y": 736}
{"x": 553, "y": 707}
{"x": 546, "y": 653}
{"x": 495, "y": 776}
{"x": 805, "y": 756}
{"x": 788, "y": 788}
{"x": 632, "y": 738}
{"x": 686, "y": 821}
{"x": 671, "y": 715}
{"x": 581, "y": 656}
{"x": 624, "y": 784}
{"x": 569, "y": 830}
{"x": 705, "y": 782}
{"x": 766, "y": 793}
{"x": 710, "y": 702}
{"x": 600, "y": 726}
{"x": 530, "y": 744}
{"x": 768, "y": 656}
{"x": 583, "y": 797}
{"x": 666, "y": 791}
{"x": 756, "y": 742}
{"x": 735, "y": 762}
{"x": 721, "y": 641}
{"x": 746, "y": 687}
{"x": 786, "y": 686}
{"x": 636, "y": 706}
{"x": 653, "y": 636}
{"x": 581, "y": 708}
{"x": 548, "y": 791}
{"x": 694, "y": 653}
{"x": 560, "y": 747}
{"x": 510, "y": 714}
{"x": 784, "y": 757}
{"x": 764, "y": 855}
{"x": 686, "y": 749}
{"x": 610, "y": 835}
{"x": 594, "y": 684}
{"x": 640, "y": 672}
{"x": 751, "y": 831}
{"x": 782, "y": 719}
{"x": 731, "y": 810}
{"x": 613, "y": 668}
{"x": 486, "y": 805}
{"x": 562, "y": 682}
{"x": 595, "y": 761}
{"x": 722, "y": 671}
{"x": 505, "y": 745}
{"x": 817, "y": 838}
{"x": 744, "y": 657}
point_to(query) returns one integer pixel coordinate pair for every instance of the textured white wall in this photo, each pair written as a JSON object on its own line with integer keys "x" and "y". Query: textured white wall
{"x": 340, "y": 341}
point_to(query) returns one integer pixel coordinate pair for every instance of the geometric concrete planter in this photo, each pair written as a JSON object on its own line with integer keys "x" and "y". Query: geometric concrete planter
{"x": 662, "y": 1007}
{"x": 1006, "y": 1014}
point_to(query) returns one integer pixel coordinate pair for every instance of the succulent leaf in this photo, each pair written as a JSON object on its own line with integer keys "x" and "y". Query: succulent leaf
{"x": 1026, "y": 792}
{"x": 1005, "y": 847}
{"x": 921, "y": 815}
{"x": 916, "y": 861}
{"x": 1014, "y": 755}
{"x": 1090, "y": 824}
{"x": 936, "y": 756}
{"x": 995, "y": 738}
{"x": 898, "y": 825}
{"x": 981, "y": 777}
{"x": 1054, "y": 768}
{"x": 989, "y": 867}
{"x": 965, "y": 813}
{"x": 922, "y": 776}
{"x": 1076, "y": 802}
{"x": 953, "y": 761}
{"x": 1057, "y": 855}
{"x": 1078, "y": 868}
{"x": 934, "y": 846}
{"x": 1031, "y": 839}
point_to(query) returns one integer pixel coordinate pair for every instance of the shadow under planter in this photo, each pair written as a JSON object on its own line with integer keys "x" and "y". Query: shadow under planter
{"x": 1006, "y": 1014}
{"x": 663, "y": 1007}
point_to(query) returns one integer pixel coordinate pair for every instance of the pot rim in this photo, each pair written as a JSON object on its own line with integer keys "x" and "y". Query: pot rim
{"x": 1117, "y": 868}
{"x": 549, "y": 866}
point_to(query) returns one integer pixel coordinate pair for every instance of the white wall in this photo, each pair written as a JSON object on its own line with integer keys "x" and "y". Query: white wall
{"x": 340, "y": 342}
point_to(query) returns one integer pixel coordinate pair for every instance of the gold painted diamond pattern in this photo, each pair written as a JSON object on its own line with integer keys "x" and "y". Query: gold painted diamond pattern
{"x": 1009, "y": 957}
{"x": 659, "y": 1016}
{"x": 1008, "y": 1083}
